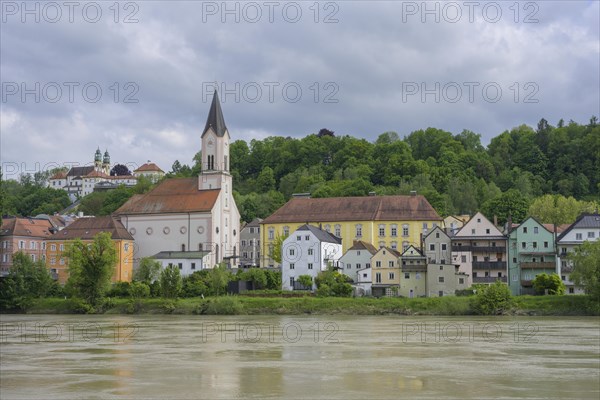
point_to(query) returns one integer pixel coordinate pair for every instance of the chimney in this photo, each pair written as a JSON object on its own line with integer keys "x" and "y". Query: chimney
{"x": 495, "y": 220}
{"x": 413, "y": 193}
{"x": 80, "y": 214}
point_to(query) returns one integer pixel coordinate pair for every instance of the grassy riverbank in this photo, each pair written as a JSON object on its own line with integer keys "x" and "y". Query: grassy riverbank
{"x": 242, "y": 305}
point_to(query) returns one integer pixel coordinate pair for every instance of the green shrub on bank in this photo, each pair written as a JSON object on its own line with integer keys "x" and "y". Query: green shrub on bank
{"x": 494, "y": 299}
{"x": 225, "y": 305}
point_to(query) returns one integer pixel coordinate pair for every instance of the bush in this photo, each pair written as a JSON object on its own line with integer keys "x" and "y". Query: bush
{"x": 494, "y": 299}
{"x": 79, "y": 306}
{"x": 170, "y": 282}
{"x": 119, "y": 289}
{"x": 226, "y": 305}
{"x": 551, "y": 283}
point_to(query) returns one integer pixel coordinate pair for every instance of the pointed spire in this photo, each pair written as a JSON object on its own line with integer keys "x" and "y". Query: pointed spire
{"x": 215, "y": 118}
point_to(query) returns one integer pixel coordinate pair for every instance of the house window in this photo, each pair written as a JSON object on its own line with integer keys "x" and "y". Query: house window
{"x": 405, "y": 230}
{"x": 180, "y": 265}
{"x": 391, "y": 264}
{"x": 535, "y": 245}
{"x": 487, "y": 231}
{"x": 407, "y": 275}
{"x": 307, "y": 238}
{"x": 21, "y": 244}
{"x": 62, "y": 261}
{"x": 381, "y": 230}
{"x": 126, "y": 246}
{"x": 437, "y": 235}
{"x": 271, "y": 233}
{"x": 478, "y": 220}
{"x": 591, "y": 235}
{"x": 440, "y": 279}
{"x": 463, "y": 259}
{"x": 404, "y": 246}
{"x": 441, "y": 293}
{"x": 571, "y": 290}
{"x": 33, "y": 257}
{"x": 310, "y": 266}
{"x": 391, "y": 276}
{"x": 418, "y": 275}
{"x": 286, "y": 231}
{"x": 292, "y": 282}
{"x": 378, "y": 264}
{"x": 441, "y": 267}
{"x": 349, "y": 266}
{"x": 193, "y": 265}
{"x": 358, "y": 230}
{"x": 62, "y": 247}
{"x": 310, "y": 252}
{"x": 357, "y": 266}
{"x": 394, "y": 230}
{"x": 443, "y": 246}
{"x": 545, "y": 245}
{"x": 292, "y": 265}
{"x": 245, "y": 254}
{"x": 523, "y": 245}
{"x": 535, "y": 229}
{"x": 472, "y": 231}
{"x": 579, "y": 236}
{"x": 243, "y": 242}
{"x": 432, "y": 247}
{"x": 53, "y": 247}
{"x": 298, "y": 238}
{"x": 524, "y": 229}
{"x": 378, "y": 277}
{"x": 461, "y": 281}
{"x": 183, "y": 247}
{"x": 292, "y": 252}
{"x": 394, "y": 245}
{"x": 515, "y": 260}
{"x": 338, "y": 231}
{"x": 53, "y": 260}
{"x": 327, "y": 228}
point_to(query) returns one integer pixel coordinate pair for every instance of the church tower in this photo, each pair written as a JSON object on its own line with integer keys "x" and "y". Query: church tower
{"x": 215, "y": 151}
{"x": 106, "y": 163}
{"x": 98, "y": 160}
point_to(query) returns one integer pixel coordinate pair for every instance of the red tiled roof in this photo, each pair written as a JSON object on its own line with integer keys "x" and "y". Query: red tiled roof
{"x": 59, "y": 175}
{"x": 368, "y": 208}
{"x": 97, "y": 174}
{"x": 177, "y": 195}
{"x": 32, "y": 227}
{"x": 87, "y": 228}
{"x": 149, "y": 167}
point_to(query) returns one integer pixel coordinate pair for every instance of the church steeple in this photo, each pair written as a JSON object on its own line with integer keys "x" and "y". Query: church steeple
{"x": 215, "y": 118}
{"x": 215, "y": 150}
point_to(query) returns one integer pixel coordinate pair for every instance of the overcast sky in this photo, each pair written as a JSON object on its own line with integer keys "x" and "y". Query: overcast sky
{"x": 362, "y": 67}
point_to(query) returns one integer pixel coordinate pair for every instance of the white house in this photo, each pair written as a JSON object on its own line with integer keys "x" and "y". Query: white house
{"x": 356, "y": 258}
{"x": 187, "y": 261}
{"x": 191, "y": 214}
{"x": 307, "y": 251}
{"x": 364, "y": 281}
{"x": 585, "y": 228}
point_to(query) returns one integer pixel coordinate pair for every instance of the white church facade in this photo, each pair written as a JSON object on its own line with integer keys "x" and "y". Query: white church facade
{"x": 191, "y": 214}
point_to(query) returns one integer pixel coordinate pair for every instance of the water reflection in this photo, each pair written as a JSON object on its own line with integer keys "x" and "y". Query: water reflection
{"x": 298, "y": 357}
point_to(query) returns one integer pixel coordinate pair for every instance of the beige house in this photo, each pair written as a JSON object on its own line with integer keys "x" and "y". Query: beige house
{"x": 413, "y": 282}
{"x": 385, "y": 272}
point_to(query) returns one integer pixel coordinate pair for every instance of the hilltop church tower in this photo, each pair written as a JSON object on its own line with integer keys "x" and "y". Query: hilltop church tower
{"x": 98, "y": 161}
{"x": 215, "y": 151}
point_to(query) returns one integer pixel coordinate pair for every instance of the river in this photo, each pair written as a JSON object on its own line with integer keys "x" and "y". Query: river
{"x": 325, "y": 357}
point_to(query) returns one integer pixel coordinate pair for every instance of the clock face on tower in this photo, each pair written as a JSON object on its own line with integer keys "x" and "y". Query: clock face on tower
{"x": 210, "y": 143}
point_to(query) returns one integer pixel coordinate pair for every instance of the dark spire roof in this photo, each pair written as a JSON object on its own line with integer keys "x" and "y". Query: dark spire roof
{"x": 215, "y": 117}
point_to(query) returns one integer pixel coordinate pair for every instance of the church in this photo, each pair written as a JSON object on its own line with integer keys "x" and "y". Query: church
{"x": 190, "y": 217}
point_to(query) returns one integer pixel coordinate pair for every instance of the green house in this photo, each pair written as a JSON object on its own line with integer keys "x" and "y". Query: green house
{"x": 531, "y": 251}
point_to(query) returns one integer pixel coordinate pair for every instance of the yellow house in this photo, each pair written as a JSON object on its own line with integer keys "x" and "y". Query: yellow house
{"x": 392, "y": 221}
{"x": 385, "y": 272}
{"x": 85, "y": 229}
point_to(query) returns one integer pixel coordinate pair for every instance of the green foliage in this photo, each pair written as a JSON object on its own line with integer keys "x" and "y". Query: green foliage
{"x": 511, "y": 203}
{"x": 225, "y": 305}
{"x": 558, "y": 209}
{"x": 30, "y": 197}
{"x": 493, "y": 299}
{"x": 91, "y": 267}
{"x": 550, "y": 283}
{"x": 26, "y": 281}
{"x": 586, "y": 267}
{"x": 306, "y": 281}
{"x": 331, "y": 283}
{"x": 273, "y": 280}
{"x": 170, "y": 282}
{"x": 119, "y": 289}
{"x": 255, "y": 275}
{"x": 148, "y": 271}
{"x": 137, "y": 292}
{"x": 276, "y": 247}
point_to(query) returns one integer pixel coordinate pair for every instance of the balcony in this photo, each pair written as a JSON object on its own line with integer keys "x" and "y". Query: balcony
{"x": 414, "y": 268}
{"x": 489, "y": 279}
{"x": 489, "y": 264}
{"x": 480, "y": 249}
{"x": 526, "y": 283}
{"x": 538, "y": 265}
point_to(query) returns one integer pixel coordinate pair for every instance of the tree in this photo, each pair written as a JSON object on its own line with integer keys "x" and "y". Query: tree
{"x": 493, "y": 299}
{"x": 586, "y": 267}
{"x": 91, "y": 266}
{"x": 256, "y": 276}
{"x": 170, "y": 282}
{"x": 558, "y": 209}
{"x": 550, "y": 284}
{"x": 509, "y": 204}
{"x": 138, "y": 291}
{"x": 26, "y": 281}
{"x": 218, "y": 279}
{"x": 276, "y": 247}
{"x": 331, "y": 283}
{"x": 266, "y": 180}
{"x": 325, "y": 132}
{"x": 120, "y": 170}
{"x": 306, "y": 281}
{"x": 148, "y": 270}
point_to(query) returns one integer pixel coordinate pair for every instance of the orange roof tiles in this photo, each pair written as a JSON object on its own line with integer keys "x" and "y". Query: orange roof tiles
{"x": 87, "y": 228}
{"x": 149, "y": 167}
{"x": 368, "y": 208}
{"x": 179, "y": 195}
{"x": 31, "y": 227}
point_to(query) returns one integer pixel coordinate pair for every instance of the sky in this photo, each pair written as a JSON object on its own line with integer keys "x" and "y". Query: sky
{"x": 136, "y": 78}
